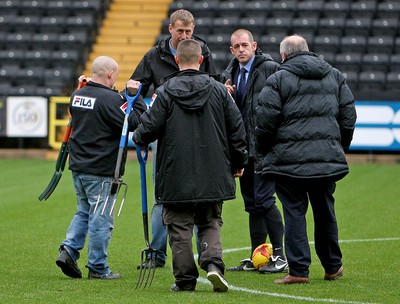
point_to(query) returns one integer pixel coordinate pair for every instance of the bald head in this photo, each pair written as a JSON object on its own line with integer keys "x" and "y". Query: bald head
{"x": 105, "y": 71}
{"x": 292, "y": 44}
{"x": 188, "y": 55}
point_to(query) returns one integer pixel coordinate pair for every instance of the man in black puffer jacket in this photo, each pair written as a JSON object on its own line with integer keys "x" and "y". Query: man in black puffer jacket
{"x": 304, "y": 124}
{"x": 257, "y": 190}
{"x": 201, "y": 148}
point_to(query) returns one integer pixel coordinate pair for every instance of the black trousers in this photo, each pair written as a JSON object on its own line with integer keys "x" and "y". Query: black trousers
{"x": 258, "y": 194}
{"x": 295, "y": 195}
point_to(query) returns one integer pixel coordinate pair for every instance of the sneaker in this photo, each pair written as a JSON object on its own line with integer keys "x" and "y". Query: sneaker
{"x": 149, "y": 263}
{"x": 218, "y": 281}
{"x": 109, "y": 276}
{"x": 68, "y": 265}
{"x": 176, "y": 288}
{"x": 245, "y": 265}
{"x": 276, "y": 264}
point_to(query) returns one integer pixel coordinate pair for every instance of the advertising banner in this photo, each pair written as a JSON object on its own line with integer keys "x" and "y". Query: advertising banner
{"x": 26, "y": 116}
{"x": 377, "y": 126}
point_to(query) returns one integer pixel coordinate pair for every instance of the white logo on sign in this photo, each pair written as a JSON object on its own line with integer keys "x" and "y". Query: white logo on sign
{"x": 83, "y": 102}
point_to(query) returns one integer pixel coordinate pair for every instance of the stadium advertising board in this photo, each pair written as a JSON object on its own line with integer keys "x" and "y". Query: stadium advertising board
{"x": 377, "y": 126}
{"x": 26, "y": 116}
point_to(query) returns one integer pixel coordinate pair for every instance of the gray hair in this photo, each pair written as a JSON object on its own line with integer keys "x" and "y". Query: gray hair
{"x": 292, "y": 44}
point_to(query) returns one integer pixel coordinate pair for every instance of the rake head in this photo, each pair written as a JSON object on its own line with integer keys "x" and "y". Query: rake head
{"x": 51, "y": 186}
{"x": 147, "y": 268}
{"x": 114, "y": 187}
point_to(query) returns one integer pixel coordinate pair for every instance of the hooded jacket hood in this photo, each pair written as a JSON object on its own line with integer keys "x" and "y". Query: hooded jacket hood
{"x": 306, "y": 65}
{"x": 191, "y": 90}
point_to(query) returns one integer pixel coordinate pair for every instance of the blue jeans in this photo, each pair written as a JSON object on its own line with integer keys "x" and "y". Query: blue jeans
{"x": 159, "y": 232}
{"x": 99, "y": 226}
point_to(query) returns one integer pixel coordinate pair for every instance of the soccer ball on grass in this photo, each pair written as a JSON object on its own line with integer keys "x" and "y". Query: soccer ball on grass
{"x": 261, "y": 255}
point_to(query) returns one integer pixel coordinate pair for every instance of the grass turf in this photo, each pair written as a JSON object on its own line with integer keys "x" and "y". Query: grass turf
{"x": 367, "y": 207}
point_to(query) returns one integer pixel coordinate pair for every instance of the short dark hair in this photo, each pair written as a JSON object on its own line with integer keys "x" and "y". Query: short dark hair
{"x": 189, "y": 51}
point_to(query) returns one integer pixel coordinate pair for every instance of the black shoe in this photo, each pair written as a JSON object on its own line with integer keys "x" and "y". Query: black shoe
{"x": 149, "y": 263}
{"x": 68, "y": 265}
{"x": 245, "y": 265}
{"x": 110, "y": 276}
{"x": 176, "y": 288}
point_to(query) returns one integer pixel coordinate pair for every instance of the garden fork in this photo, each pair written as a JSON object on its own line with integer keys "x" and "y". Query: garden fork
{"x": 116, "y": 184}
{"x": 149, "y": 255}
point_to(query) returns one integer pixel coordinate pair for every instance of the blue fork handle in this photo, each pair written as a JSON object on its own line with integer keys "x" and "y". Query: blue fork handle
{"x": 142, "y": 158}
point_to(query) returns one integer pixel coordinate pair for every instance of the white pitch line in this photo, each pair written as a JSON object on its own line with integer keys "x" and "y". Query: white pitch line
{"x": 278, "y": 295}
{"x": 340, "y": 241}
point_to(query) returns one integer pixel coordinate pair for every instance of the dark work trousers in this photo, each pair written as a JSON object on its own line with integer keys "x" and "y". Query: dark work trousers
{"x": 180, "y": 220}
{"x": 264, "y": 216}
{"x": 294, "y": 195}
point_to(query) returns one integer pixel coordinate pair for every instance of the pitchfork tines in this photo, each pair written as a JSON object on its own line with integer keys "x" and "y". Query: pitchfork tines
{"x": 114, "y": 187}
{"x": 147, "y": 267}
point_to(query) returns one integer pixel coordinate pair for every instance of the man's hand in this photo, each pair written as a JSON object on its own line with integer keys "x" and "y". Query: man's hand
{"x": 132, "y": 86}
{"x": 230, "y": 88}
{"x": 238, "y": 172}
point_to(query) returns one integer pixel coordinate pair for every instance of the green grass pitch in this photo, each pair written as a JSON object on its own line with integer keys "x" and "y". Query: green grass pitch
{"x": 367, "y": 207}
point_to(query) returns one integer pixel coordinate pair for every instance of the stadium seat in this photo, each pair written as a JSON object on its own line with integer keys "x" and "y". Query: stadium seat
{"x": 371, "y": 81}
{"x": 330, "y": 44}
{"x": 257, "y": 8}
{"x": 12, "y": 57}
{"x": 47, "y": 91}
{"x": 393, "y": 82}
{"x": 336, "y": 9}
{"x": 389, "y": 9}
{"x": 221, "y": 60}
{"x": 7, "y": 21}
{"x": 380, "y": 44}
{"x": 375, "y": 62}
{"x": 45, "y": 40}
{"x": 204, "y": 26}
{"x": 59, "y": 8}
{"x": 327, "y": 56}
{"x": 38, "y": 58}
{"x": 225, "y": 24}
{"x": 278, "y": 25}
{"x": 55, "y": 24}
{"x": 384, "y": 26}
{"x": 305, "y": 25}
{"x": 57, "y": 77}
{"x": 10, "y": 7}
{"x": 270, "y": 44}
{"x": 351, "y": 79}
{"x": 285, "y": 8}
{"x": 363, "y": 8}
{"x": 33, "y": 8}
{"x": 253, "y": 24}
{"x": 348, "y": 61}
{"x": 30, "y": 75}
{"x": 207, "y": 8}
{"x": 355, "y": 44}
{"x": 331, "y": 26}
{"x": 181, "y": 4}
{"x": 18, "y": 41}
{"x": 8, "y": 72}
{"x": 310, "y": 8}
{"x": 397, "y": 45}
{"x": 219, "y": 42}
{"x": 22, "y": 90}
{"x": 358, "y": 26}
{"x": 231, "y": 8}
{"x": 394, "y": 65}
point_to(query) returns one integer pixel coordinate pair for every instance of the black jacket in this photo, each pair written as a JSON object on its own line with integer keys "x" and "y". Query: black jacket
{"x": 305, "y": 120}
{"x": 159, "y": 63}
{"x": 97, "y": 119}
{"x": 201, "y": 139}
{"x": 263, "y": 66}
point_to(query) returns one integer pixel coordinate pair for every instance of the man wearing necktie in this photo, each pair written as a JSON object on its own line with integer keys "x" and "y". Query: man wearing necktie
{"x": 248, "y": 72}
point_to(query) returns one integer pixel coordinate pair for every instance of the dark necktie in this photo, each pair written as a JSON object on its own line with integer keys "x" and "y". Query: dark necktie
{"x": 242, "y": 89}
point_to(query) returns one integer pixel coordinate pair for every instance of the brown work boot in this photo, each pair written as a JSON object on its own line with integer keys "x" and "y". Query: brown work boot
{"x": 334, "y": 276}
{"x": 288, "y": 279}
